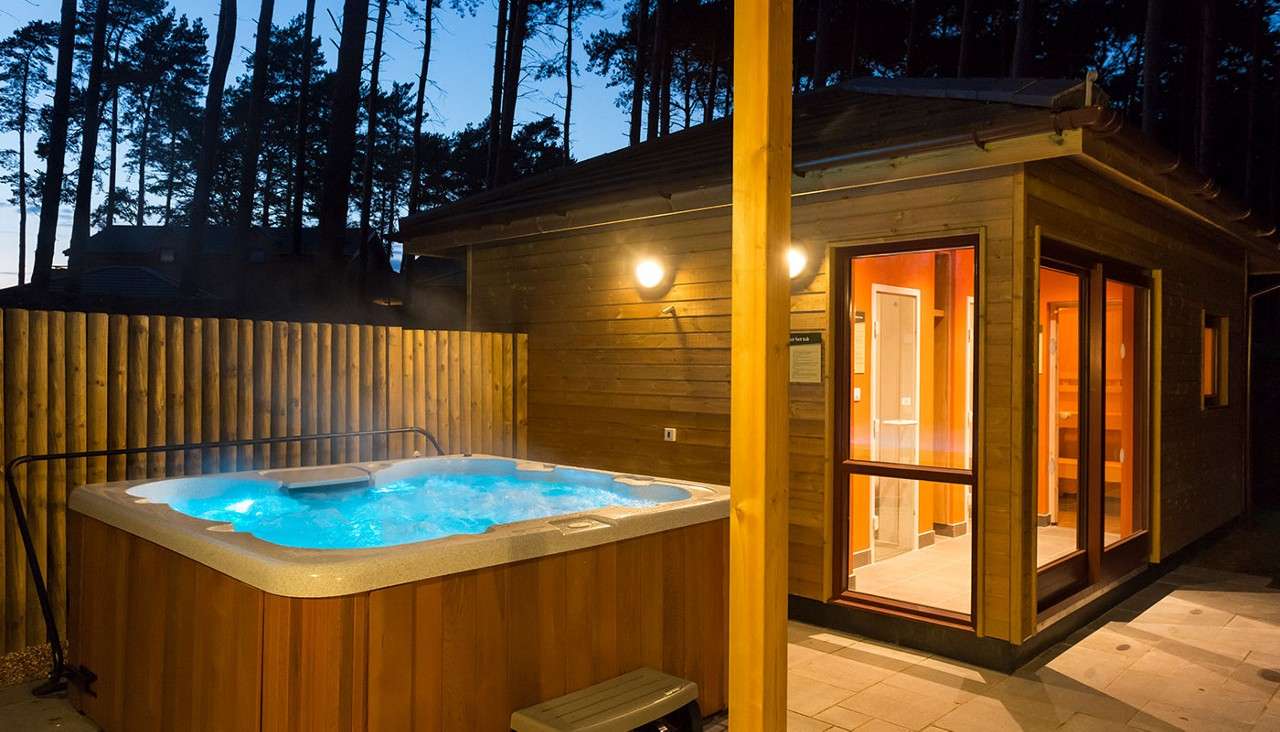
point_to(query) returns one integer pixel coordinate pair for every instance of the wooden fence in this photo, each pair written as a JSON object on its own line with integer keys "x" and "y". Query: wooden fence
{"x": 91, "y": 381}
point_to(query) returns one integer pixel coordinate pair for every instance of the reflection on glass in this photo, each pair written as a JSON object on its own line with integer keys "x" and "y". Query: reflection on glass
{"x": 911, "y": 403}
{"x": 1060, "y": 473}
{"x": 911, "y": 358}
{"x": 1124, "y": 490}
{"x": 895, "y": 555}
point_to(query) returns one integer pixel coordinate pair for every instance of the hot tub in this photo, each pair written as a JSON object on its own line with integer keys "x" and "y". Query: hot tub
{"x": 432, "y": 593}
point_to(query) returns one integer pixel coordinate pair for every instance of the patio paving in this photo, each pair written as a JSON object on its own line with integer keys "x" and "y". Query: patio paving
{"x": 1199, "y": 650}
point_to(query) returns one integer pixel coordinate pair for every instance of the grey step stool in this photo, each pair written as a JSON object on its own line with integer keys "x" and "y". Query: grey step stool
{"x": 620, "y": 704}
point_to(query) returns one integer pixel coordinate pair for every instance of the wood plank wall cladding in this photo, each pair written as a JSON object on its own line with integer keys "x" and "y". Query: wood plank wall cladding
{"x": 77, "y": 381}
{"x": 177, "y": 645}
{"x": 1201, "y": 451}
{"x": 608, "y": 370}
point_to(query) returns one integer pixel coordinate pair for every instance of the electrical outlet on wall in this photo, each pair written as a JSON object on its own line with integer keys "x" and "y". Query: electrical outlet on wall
{"x": 669, "y": 434}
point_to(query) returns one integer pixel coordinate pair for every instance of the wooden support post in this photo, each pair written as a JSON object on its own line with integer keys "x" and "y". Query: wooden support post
{"x": 759, "y": 392}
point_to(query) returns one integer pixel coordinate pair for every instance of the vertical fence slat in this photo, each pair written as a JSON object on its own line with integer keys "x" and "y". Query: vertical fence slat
{"x": 97, "y": 337}
{"x": 365, "y": 394}
{"x": 15, "y": 440}
{"x": 422, "y": 405}
{"x": 175, "y": 416}
{"x": 495, "y": 388}
{"x": 211, "y": 392}
{"x": 475, "y": 405}
{"x": 354, "y": 364}
{"x": 37, "y": 473}
{"x": 279, "y": 380}
{"x": 521, "y": 380}
{"x": 508, "y": 395}
{"x": 262, "y": 361}
{"x": 307, "y": 394}
{"x": 157, "y": 393}
{"x": 118, "y": 394}
{"x": 229, "y": 388}
{"x": 77, "y": 386}
{"x": 324, "y": 390}
{"x": 454, "y": 368}
{"x": 136, "y": 414}
{"x": 196, "y": 357}
{"x": 56, "y": 488}
{"x": 293, "y": 450}
{"x": 338, "y": 393}
{"x": 393, "y": 411}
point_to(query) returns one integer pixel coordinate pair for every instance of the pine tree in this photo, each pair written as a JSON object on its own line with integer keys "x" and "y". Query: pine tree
{"x": 57, "y": 148}
{"x": 24, "y": 60}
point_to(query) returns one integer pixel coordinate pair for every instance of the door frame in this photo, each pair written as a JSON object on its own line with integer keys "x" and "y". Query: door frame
{"x": 843, "y": 467}
{"x": 1060, "y": 581}
{"x": 917, "y": 296}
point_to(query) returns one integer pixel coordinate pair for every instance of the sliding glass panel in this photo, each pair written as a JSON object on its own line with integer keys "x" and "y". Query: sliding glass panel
{"x": 897, "y": 556}
{"x": 1124, "y": 475}
{"x": 911, "y": 358}
{"x": 1061, "y": 476}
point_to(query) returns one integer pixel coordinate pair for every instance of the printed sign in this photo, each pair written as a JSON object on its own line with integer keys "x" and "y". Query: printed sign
{"x": 806, "y": 358}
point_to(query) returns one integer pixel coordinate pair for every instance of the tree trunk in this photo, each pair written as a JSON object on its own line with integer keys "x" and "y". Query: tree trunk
{"x": 966, "y": 40}
{"x": 664, "y": 128}
{"x": 713, "y": 78}
{"x": 822, "y": 44}
{"x": 23, "y": 121}
{"x": 657, "y": 64}
{"x": 115, "y": 138}
{"x": 638, "y": 72}
{"x": 495, "y": 99}
{"x": 336, "y": 178}
{"x": 169, "y": 180}
{"x": 516, "y": 32}
{"x": 300, "y": 134}
{"x": 914, "y": 23}
{"x": 253, "y": 128}
{"x": 89, "y": 140}
{"x": 1024, "y": 41}
{"x": 568, "y": 74}
{"x": 1152, "y": 64}
{"x": 415, "y": 179}
{"x": 1208, "y": 73}
{"x": 140, "y": 218}
{"x": 209, "y": 135}
{"x": 1257, "y": 23}
{"x": 371, "y": 134}
{"x": 855, "y": 36}
{"x": 48, "y": 230}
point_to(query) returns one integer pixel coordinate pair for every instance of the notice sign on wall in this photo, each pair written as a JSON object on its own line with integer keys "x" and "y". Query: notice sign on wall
{"x": 806, "y": 358}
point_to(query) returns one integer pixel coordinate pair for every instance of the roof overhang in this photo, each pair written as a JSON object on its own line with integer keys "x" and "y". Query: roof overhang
{"x": 1094, "y": 136}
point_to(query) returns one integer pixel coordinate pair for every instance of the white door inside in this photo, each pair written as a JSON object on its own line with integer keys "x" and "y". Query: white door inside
{"x": 895, "y": 435}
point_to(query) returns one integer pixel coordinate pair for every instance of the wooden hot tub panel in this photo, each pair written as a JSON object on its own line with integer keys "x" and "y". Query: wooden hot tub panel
{"x": 177, "y": 645}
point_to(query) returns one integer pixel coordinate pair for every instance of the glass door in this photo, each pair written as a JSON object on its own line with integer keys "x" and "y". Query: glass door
{"x": 904, "y": 429}
{"x": 1093, "y": 404}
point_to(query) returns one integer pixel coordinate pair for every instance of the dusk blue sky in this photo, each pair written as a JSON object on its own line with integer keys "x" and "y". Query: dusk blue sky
{"x": 461, "y": 69}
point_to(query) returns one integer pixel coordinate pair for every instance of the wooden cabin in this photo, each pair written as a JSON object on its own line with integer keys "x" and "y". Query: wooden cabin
{"x": 1018, "y": 353}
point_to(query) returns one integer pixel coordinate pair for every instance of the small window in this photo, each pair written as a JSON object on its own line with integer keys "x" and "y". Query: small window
{"x": 1213, "y": 361}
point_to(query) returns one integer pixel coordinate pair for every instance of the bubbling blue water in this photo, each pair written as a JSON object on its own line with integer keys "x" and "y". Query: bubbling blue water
{"x": 444, "y": 497}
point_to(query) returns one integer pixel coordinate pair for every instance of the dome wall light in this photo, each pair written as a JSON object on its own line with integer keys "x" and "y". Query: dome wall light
{"x": 797, "y": 261}
{"x": 650, "y": 273}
